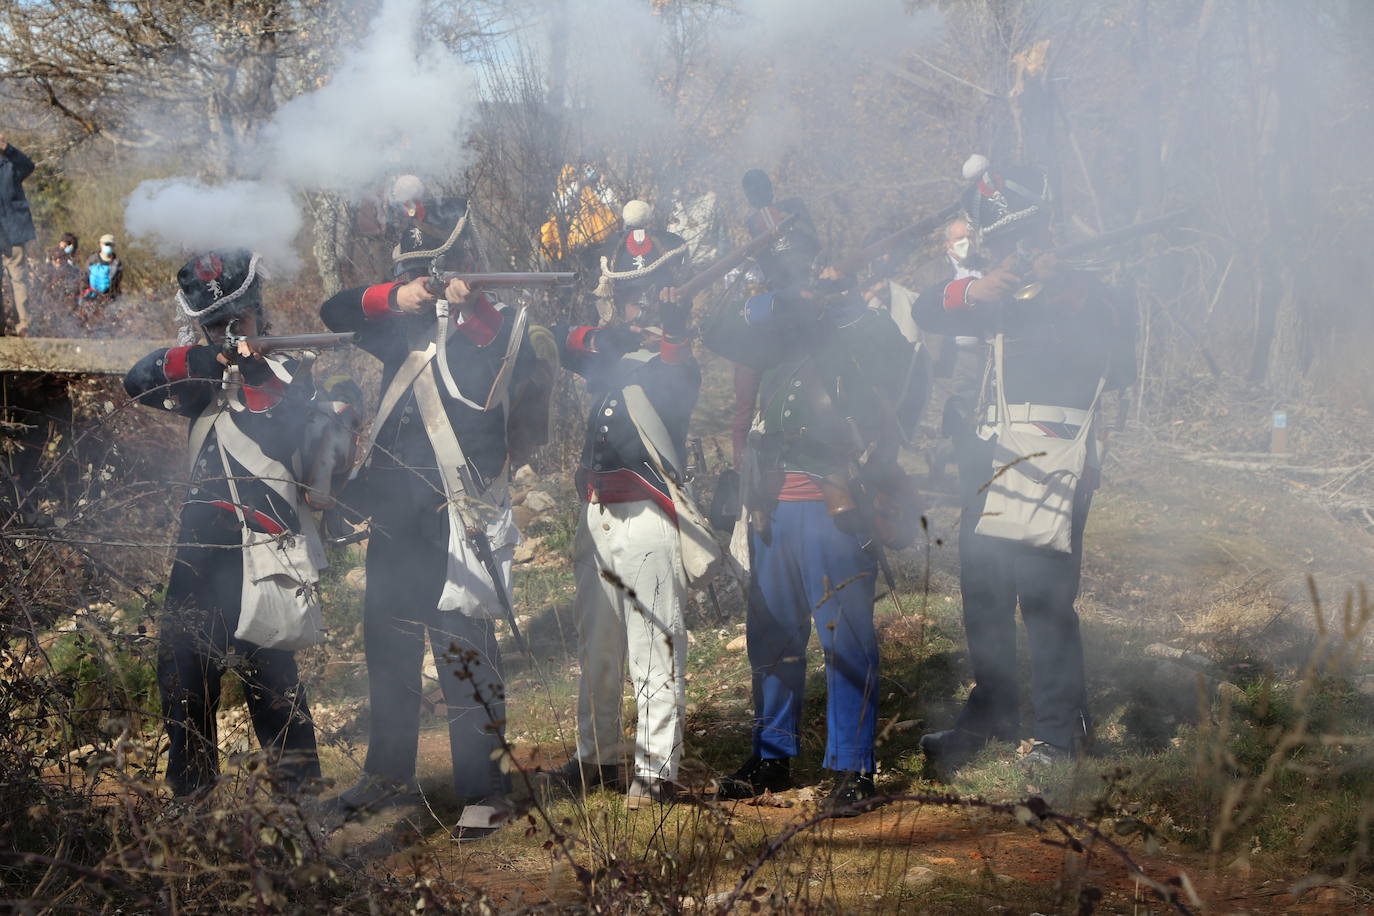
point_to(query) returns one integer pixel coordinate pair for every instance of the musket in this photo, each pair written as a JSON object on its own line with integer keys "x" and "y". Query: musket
{"x": 440, "y": 279}
{"x": 696, "y": 466}
{"x": 863, "y": 509}
{"x": 1098, "y": 242}
{"x": 266, "y": 345}
{"x": 728, "y": 262}
{"x": 882, "y": 246}
{"x": 487, "y": 557}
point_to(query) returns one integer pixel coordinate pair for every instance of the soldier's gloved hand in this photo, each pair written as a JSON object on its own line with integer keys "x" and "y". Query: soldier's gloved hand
{"x": 617, "y": 339}
{"x": 675, "y": 315}
{"x": 831, "y": 281}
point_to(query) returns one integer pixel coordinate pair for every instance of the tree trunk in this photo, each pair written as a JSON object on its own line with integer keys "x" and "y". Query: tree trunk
{"x": 330, "y": 231}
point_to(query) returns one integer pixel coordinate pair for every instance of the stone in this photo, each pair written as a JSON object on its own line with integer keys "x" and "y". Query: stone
{"x": 538, "y": 501}
{"x": 525, "y": 477}
{"x": 738, "y": 644}
{"x": 356, "y": 578}
{"x": 523, "y": 516}
{"x": 526, "y": 549}
{"x": 919, "y": 876}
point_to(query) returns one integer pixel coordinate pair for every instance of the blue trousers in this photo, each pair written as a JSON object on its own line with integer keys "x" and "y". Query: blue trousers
{"x": 805, "y": 567}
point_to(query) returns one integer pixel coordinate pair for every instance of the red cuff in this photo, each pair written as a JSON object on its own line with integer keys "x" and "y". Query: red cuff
{"x": 956, "y": 294}
{"x": 579, "y": 339}
{"x": 174, "y": 367}
{"x": 672, "y": 351}
{"x": 262, "y": 520}
{"x": 377, "y": 300}
{"x": 482, "y": 323}
{"x": 264, "y": 396}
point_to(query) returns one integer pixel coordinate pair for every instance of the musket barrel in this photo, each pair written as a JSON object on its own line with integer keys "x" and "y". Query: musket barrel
{"x": 881, "y": 247}
{"x": 727, "y": 262}
{"x": 301, "y": 341}
{"x": 1123, "y": 234}
{"x": 510, "y": 280}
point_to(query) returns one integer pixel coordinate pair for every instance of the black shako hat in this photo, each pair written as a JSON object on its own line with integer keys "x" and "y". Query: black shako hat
{"x": 219, "y": 285}
{"x": 640, "y": 259}
{"x": 434, "y": 231}
{"x": 1007, "y": 201}
{"x": 758, "y": 188}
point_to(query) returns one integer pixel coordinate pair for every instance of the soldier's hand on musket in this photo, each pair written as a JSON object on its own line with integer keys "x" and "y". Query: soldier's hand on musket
{"x": 242, "y": 349}
{"x": 617, "y": 338}
{"x": 995, "y": 286}
{"x": 1046, "y": 266}
{"x": 415, "y": 298}
{"x": 457, "y": 292}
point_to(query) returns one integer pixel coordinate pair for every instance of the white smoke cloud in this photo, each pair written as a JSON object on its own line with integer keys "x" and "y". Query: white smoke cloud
{"x": 181, "y": 215}
{"x": 801, "y": 58}
{"x": 396, "y": 103}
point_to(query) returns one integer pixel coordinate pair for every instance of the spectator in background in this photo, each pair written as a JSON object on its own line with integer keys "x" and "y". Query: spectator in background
{"x": 61, "y": 280}
{"x": 104, "y": 274}
{"x": 16, "y": 227}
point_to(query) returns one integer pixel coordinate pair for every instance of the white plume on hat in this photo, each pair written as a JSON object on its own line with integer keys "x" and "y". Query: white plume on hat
{"x": 406, "y": 187}
{"x": 637, "y": 214}
{"x": 975, "y": 166}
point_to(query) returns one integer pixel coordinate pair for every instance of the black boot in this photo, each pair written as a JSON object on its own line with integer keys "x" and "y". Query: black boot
{"x": 577, "y": 777}
{"x": 370, "y": 795}
{"x": 950, "y": 749}
{"x": 756, "y": 777}
{"x": 851, "y": 787}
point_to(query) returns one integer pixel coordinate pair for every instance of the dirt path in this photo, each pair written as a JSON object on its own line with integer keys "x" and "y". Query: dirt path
{"x": 1190, "y": 549}
{"x": 921, "y": 848}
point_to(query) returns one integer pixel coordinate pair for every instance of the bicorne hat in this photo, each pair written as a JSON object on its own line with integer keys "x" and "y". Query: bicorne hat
{"x": 640, "y": 259}
{"x": 219, "y": 285}
{"x": 1005, "y": 201}
{"x": 433, "y": 230}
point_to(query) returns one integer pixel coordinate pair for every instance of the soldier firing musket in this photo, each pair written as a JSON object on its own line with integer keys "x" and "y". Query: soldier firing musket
{"x": 640, "y": 538}
{"x": 813, "y": 359}
{"x": 1028, "y": 466}
{"x": 458, "y": 371}
{"x": 244, "y": 581}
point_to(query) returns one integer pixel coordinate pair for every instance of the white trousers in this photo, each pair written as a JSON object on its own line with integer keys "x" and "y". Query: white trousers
{"x": 630, "y": 594}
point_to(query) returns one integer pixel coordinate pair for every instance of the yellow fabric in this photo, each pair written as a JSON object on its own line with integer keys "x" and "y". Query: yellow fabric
{"x": 591, "y": 223}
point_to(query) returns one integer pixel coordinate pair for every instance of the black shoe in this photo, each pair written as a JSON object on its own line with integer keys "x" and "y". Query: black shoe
{"x": 851, "y": 788}
{"x": 576, "y": 778}
{"x": 1044, "y": 755}
{"x": 371, "y": 794}
{"x": 756, "y": 777}
{"x": 952, "y": 748}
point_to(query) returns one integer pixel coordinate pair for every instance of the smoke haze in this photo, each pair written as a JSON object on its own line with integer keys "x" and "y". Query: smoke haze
{"x": 395, "y": 103}
{"x": 180, "y": 215}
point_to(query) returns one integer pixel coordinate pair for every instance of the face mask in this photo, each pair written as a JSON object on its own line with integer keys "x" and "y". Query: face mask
{"x": 69, "y": 249}
{"x": 960, "y": 250}
{"x": 107, "y": 249}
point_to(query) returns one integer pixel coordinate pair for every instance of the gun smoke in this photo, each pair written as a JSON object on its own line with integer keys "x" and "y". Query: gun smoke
{"x": 398, "y": 102}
